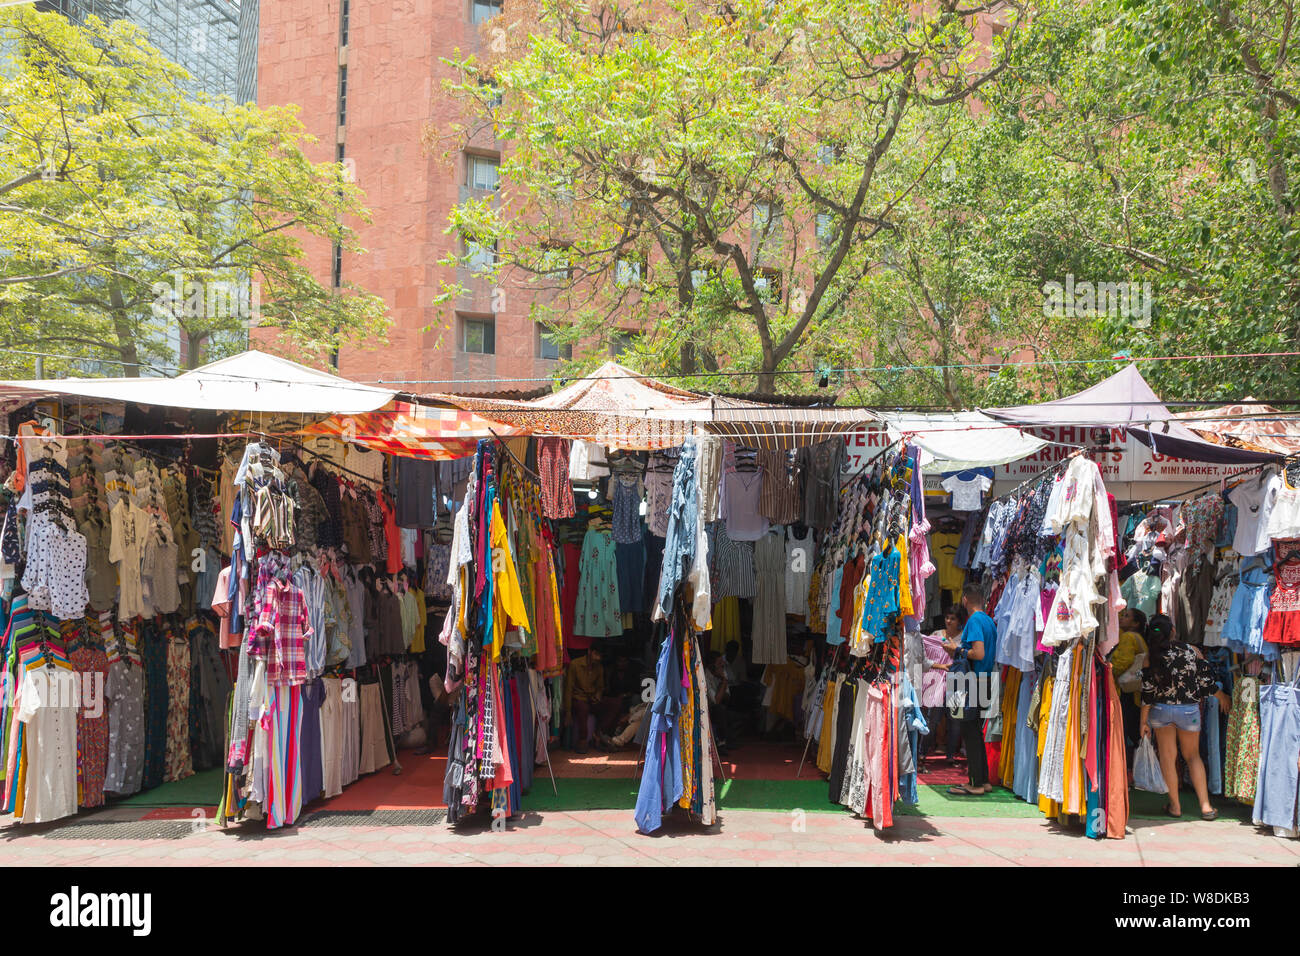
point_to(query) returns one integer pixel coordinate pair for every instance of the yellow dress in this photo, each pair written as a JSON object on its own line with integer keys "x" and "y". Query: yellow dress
{"x": 726, "y": 623}
{"x": 824, "y": 749}
{"x": 1010, "y": 702}
{"x": 1046, "y": 805}
{"x": 905, "y": 608}
{"x": 507, "y": 598}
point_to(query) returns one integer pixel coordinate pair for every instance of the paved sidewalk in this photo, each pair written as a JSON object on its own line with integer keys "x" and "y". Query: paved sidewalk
{"x": 607, "y": 837}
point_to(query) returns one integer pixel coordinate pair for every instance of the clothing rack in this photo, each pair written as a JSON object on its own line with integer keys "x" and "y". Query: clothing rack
{"x": 1209, "y": 484}
{"x": 522, "y": 467}
{"x": 866, "y": 466}
{"x": 299, "y": 447}
{"x": 163, "y": 459}
{"x": 1042, "y": 475}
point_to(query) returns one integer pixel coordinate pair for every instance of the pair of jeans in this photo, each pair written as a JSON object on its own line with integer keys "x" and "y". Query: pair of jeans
{"x": 1210, "y": 741}
{"x": 1183, "y": 716}
{"x": 683, "y": 515}
{"x": 1279, "y": 742}
{"x": 661, "y": 779}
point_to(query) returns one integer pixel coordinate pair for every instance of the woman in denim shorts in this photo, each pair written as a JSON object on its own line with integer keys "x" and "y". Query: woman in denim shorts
{"x": 1174, "y": 682}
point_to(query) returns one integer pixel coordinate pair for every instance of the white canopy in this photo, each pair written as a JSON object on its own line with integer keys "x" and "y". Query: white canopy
{"x": 955, "y": 441}
{"x": 252, "y": 381}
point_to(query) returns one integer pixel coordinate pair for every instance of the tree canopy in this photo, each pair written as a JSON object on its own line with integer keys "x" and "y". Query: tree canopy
{"x": 912, "y": 193}
{"x": 140, "y": 221}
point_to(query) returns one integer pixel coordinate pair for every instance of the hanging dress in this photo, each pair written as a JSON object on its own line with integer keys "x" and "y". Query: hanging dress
{"x": 179, "y": 763}
{"x": 1282, "y": 626}
{"x": 1241, "y": 757}
{"x": 769, "y": 606}
{"x": 597, "y": 612}
{"x": 1244, "y": 630}
{"x": 553, "y": 467}
{"x": 91, "y": 664}
{"x": 799, "y": 555}
{"x": 153, "y": 653}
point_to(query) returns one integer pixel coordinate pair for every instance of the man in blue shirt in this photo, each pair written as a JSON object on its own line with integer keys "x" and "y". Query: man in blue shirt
{"x": 979, "y": 642}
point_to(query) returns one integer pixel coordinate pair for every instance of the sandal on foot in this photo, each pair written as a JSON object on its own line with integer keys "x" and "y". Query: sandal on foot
{"x": 965, "y": 792}
{"x": 1169, "y": 812}
{"x": 1210, "y": 815}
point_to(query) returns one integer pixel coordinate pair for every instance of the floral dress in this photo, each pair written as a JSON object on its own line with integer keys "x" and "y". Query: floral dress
{"x": 597, "y": 613}
{"x": 91, "y": 664}
{"x": 1241, "y": 762}
{"x": 179, "y": 762}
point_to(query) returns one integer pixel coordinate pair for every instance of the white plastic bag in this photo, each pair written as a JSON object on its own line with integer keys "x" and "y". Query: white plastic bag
{"x": 1146, "y": 769}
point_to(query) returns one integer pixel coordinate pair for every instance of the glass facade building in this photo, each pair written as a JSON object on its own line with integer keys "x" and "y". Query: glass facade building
{"x": 203, "y": 36}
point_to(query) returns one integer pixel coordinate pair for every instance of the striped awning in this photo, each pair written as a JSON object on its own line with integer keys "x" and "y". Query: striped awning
{"x": 757, "y": 425}
{"x": 619, "y": 408}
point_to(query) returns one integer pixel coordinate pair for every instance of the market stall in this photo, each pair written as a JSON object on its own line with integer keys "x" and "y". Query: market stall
{"x": 197, "y": 573}
{"x": 263, "y": 566}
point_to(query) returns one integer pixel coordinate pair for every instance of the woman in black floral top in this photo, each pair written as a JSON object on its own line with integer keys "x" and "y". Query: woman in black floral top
{"x": 1174, "y": 682}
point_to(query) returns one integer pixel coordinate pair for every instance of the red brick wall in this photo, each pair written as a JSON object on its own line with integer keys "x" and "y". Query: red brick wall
{"x": 394, "y": 90}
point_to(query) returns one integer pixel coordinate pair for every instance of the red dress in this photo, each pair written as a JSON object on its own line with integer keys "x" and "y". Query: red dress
{"x": 1283, "y": 623}
{"x": 569, "y": 596}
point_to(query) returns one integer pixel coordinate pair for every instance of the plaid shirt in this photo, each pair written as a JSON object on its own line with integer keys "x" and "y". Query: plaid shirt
{"x": 280, "y": 637}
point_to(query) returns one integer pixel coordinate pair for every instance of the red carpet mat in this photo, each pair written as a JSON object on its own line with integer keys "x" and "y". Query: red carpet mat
{"x": 419, "y": 785}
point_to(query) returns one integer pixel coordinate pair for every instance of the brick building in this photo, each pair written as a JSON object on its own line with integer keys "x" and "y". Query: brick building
{"x": 368, "y": 77}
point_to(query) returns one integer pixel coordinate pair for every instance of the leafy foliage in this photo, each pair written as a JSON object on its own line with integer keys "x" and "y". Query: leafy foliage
{"x": 136, "y": 217}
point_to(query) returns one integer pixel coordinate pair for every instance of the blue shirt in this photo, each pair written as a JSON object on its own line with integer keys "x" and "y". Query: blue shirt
{"x": 979, "y": 627}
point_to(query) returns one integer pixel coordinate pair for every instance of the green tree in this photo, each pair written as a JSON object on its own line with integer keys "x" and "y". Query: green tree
{"x": 1147, "y": 141}
{"x": 726, "y": 176}
{"x": 136, "y": 219}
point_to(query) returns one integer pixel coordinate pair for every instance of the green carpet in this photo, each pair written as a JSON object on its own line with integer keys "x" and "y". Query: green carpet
{"x": 1151, "y": 806}
{"x": 811, "y": 797}
{"x": 779, "y": 795}
{"x": 202, "y": 789}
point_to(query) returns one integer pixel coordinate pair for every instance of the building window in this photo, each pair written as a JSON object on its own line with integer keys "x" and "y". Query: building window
{"x": 343, "y": 95}
{"x": 555, "y": 264}
{"x": 480, "y": 257}
{"x": 481, "y": 11}
{"x": 491, "y": 92}
{"x": 336, "y": 272}
{"x": 768, "y": 217}
{"x": 547, "y": 348}
{"x": 825, "y": 231}
{"x": 767, "y": 283}
{"x": 478, "y": 336}
{"x": 699, "y": 279}
{"x": 343, "y": 24}
{"x": 769, "y": 228}
{"x": 828, "y": 154}
{"x": 481, "y": 172}
{"x": 627, "y": 272}
{"x": 620, "y": 342}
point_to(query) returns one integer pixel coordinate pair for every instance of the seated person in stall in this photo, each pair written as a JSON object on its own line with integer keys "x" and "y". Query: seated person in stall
{"x": 1127, "y": 659}
{"x": 744, "y": 696}
{"x": 718, "y": 687}
{"x": 585, "y": 698}
{"x": 631, "y": 681}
